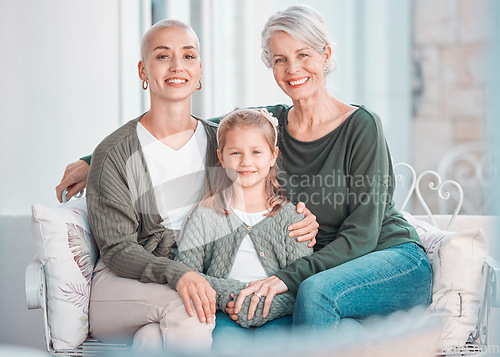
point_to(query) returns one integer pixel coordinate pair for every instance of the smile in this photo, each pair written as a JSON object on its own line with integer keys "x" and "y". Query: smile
{"x": 298, "y": 82}
{"x": 176, "y": 81}
{"x": 246, "y": 173}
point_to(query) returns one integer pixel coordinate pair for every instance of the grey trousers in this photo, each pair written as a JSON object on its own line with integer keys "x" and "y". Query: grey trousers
{"x": 150, "y": 316}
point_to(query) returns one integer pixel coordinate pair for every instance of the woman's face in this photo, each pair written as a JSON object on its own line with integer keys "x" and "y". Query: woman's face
{"x": 297, "y": 67}
{"x": 172, "y": 65}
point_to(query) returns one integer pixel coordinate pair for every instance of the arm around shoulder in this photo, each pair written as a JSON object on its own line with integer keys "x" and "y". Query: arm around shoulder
{"x": 74, "y": 179}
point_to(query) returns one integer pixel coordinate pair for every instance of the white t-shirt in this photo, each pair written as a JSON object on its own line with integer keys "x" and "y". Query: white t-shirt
{"x": 247, "y": 266}
{"x": 177, "y": 175}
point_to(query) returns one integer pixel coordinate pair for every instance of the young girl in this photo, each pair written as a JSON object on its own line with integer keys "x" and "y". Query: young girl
{"x": 239, "y": 232}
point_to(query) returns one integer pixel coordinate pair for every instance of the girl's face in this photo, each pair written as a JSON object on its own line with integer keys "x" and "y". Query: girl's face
{"x": 247, "y": 157}
{"x": 172, "y": 65}
{"x": 297, "y": 67}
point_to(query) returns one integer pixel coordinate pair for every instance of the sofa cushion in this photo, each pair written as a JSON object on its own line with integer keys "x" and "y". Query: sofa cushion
{"x": 65, "y": 247}
{"x": 457, "y": 259}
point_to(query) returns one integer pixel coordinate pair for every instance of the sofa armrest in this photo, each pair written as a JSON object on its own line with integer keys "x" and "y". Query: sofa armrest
{"x": 34, "y": 280}
{"x": 36, "y": 293}
{"x": 494, "y": 269}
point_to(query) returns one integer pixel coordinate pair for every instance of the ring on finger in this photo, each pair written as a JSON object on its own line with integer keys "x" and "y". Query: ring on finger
{"x": 259, "y": 295}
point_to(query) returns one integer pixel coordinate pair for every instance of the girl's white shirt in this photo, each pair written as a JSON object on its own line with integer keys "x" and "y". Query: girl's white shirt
{"x": 177, "y": 175}
{"x": 247, "y": 266}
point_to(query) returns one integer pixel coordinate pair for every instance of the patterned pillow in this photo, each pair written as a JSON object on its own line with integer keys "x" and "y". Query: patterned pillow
{"x": 432, "y": 237}
{"x": 65, "y": 246}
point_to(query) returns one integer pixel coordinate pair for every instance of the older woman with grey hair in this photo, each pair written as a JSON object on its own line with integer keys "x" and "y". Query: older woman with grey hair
{"x": 368, "y": 260}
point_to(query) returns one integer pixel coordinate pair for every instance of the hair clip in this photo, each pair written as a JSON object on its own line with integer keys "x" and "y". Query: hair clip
{"x": 269, "y": 116}
{"x": 273, "y": 120}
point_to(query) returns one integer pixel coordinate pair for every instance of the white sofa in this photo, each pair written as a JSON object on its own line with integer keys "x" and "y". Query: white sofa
{"x": 465, "y": 282}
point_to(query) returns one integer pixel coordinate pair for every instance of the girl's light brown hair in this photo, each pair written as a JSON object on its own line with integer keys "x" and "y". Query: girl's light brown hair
{"x": 222, "y": 192}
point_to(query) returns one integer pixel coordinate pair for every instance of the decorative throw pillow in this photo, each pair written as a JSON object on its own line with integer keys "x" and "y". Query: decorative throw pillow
{"x": 64, "y": 245}
{"x": 432, "y": 238}
{"x": 457, "y": 259}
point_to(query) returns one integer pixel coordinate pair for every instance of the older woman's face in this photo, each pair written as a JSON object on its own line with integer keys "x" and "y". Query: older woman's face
{"x": 297, "y": 67}
{"x": 172, "y": 66}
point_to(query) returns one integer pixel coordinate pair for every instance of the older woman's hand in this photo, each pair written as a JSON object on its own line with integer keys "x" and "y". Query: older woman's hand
{"x": 306, "y": 229}
{"x": 268, "y": 288}
{"x": 74, "y": 179}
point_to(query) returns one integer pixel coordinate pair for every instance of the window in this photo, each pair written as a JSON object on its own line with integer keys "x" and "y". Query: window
{"x": 372, "y": 48}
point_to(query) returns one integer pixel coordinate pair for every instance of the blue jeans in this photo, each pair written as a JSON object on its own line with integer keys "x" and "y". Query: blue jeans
{"x": 228, "y": 335}
{"x": 379, "y": 283}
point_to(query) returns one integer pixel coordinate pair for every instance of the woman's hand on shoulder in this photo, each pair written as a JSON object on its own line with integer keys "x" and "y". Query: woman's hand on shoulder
{"x": 74, "y": 179}
{"x": 192, "y": 287}
{"x": 268, "y": 288}
{"x": 306, "y": 229}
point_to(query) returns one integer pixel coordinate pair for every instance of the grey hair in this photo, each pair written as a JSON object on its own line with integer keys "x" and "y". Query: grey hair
{"x": 303, "y": 23}
{"x": 165, "y": 23}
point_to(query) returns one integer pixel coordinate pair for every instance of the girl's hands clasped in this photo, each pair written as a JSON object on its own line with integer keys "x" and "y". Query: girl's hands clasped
{"x": 230, "y": 311}
{"x": 306, "y": 229}
{"x": 268, "y": 288}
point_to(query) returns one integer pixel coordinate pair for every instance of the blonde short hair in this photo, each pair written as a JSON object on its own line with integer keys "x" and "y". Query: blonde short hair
{"x": 166, "y": 23}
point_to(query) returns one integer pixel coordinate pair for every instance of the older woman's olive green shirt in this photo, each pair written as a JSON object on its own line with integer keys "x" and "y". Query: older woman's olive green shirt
{"x": 346, "y": 179}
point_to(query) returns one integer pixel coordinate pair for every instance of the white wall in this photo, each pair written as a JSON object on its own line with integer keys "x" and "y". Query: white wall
{"x": 65, "y": 77}
{"x": 59, "y": 94}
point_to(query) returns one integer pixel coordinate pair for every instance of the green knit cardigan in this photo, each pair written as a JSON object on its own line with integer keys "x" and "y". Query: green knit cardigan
{"x": 209, "y": 242}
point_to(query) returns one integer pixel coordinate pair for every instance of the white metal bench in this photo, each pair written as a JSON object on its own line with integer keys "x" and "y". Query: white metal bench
{"x": 478, "y": 340}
